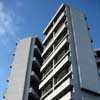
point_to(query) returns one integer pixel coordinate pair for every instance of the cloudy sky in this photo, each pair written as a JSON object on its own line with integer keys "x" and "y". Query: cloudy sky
{"x": 23, "y": 18}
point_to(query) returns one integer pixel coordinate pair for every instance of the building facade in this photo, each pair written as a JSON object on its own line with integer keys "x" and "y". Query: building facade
{"x": 25, "y": 75}
{"x": 69, "y": 70}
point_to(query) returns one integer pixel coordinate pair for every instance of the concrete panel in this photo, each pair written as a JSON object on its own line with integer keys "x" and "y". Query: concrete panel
{"x": 17, "y": 78}
{"x": 88, "y": 75}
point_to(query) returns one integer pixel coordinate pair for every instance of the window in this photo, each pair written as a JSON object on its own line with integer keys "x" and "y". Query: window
{"x": 59, "y": 13}
{"x": 97, "y": 54}
{"x": 60, "y": 37}
{"x": 48, "y": 40}
{"x": 59, "y": 24}
{"x": 61, "y": 53}
{"x": 64, "y": 70}
{"x": 36, "y": 69}
{"x": 39, "y": 45}
{"x": 98, "y": 64}
{"x": 47, "y": 69}
{"x": 38, "y": 56}
{"x": 47, "y": 54}
{"x": 47, "y": 87}
{"x": 31, "y": 97}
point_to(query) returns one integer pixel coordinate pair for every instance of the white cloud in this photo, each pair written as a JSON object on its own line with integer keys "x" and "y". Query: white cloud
{"x": 8, "y": 28}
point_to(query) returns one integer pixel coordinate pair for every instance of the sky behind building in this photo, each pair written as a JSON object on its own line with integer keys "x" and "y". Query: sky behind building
{"x": 23, "y": 18}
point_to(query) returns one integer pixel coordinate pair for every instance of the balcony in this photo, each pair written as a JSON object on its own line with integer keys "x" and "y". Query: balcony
{"x": 56, "y": 16}
{"x": 33, "y": 95}
{"x": 57, "y": 68}
{"x": 56, "y": 27}
{"x": 65, "y": 86}
{"x": 47, "y": 70}
{"x": 47, "y": 87}
{"x": 48, "y": 54}
{"x": 48, "y": 40}
{"x": 37, "y": 54}
{"x": 56, "y": 43}
{"x": 60, "y": 38}
{"x": 63, "y": 26}
{"x": 36, "y": 68}
{"x": 61, "y": 53}
{"x": 35, "y": 85}
{"x": 53, "y": 55}
{"x": 39, "y": 45}
{"x": 34, "y": 76}
{"x": 38, "y": 50}
{"x": 62, "y": 73}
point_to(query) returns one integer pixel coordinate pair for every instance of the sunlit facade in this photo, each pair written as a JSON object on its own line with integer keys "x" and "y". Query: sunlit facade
{"x": 23, "y": 83}
{"x": 69, "y": 70}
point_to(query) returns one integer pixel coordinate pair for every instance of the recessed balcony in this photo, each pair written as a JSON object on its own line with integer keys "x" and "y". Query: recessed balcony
{"x": 36, "y": 69}
{"x": 37, "y": 54}
{"x": 54, "y": 53}
{"x": 33, "y": 95}
{"x": 47, "y": 87}
{"x": 61, "y": 53}
{"x": 56, "y": 69}
{"x": 39, "y": 45}
{"x": 34, "y": 76}
{"x": 55, "y": 28}
{"x": 66, "y": 86}
{"x": 55, "y": 17}
{"x": 47, "y": 70}
{"x": 47, "y": 54}
{"x": 54, "y": 38}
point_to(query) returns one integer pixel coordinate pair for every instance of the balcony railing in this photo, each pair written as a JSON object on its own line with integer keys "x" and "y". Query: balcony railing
{"x": 62, "y": 73}
{"x": 59, "y": 70}
{"x": 48, "y": 40}
{"x": 61, "y": 53}
{"x": 60, "y": 36}
{"x": 47, "y": 87}
{"x": 47, "y": 70}
{"x": 57, "y": 25}
{"x": 47, "y": 54}
{"x": 38, "y": 56}
{"x": 53, "y": 55}
{"x": 55, "y": 17}
{"x": 65, "y": 86}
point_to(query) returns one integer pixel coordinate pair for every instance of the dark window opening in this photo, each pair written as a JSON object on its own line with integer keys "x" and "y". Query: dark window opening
{"x": 38, "y": 56}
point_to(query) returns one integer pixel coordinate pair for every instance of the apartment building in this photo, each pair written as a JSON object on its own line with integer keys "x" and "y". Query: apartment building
{"x": 25, "y": 74}
{"x": 69, "y": 70}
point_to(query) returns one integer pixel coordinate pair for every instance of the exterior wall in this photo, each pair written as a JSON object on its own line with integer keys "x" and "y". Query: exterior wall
{"x": 84, "y": 52}
{"x": 25, "y": 73}
{"x": 19, "y": 68}
{"x": 85, "y": 75}
{"x": 84, "y": 81}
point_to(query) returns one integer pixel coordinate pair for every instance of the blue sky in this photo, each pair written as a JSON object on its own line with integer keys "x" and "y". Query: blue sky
{"x": 22, "y": 18}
